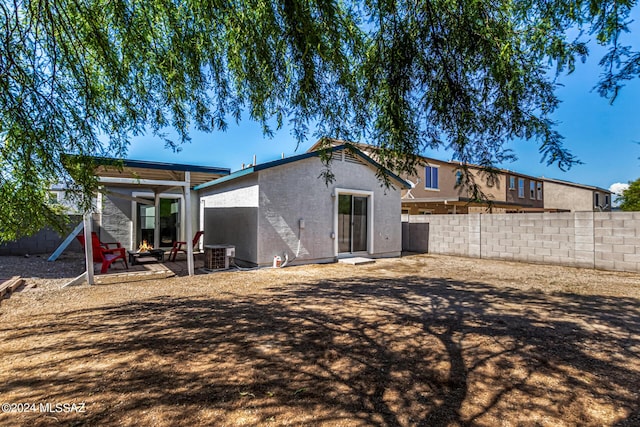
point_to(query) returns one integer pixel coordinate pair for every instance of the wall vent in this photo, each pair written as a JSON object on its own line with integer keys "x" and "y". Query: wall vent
{"x": 351, "y": 158}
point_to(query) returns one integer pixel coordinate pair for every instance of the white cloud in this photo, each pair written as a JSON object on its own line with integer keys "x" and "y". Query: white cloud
{"x": 618, "y": 188}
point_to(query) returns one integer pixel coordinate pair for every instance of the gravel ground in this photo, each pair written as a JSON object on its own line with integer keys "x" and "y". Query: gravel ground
{"x": 52, "y": 275}
{"x": 35, "y": 269}
{"x": 421, "y": 340}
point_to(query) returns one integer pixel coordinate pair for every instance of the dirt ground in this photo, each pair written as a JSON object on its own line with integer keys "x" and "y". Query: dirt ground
{"x": 419, "y": 341}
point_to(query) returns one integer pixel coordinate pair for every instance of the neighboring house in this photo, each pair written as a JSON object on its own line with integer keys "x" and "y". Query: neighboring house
{"x": 574, "y": 197}
{"x": 523, "y": 193}
{"x": 434, "y": 189}
{"x": 284, "y": 208}
{"x": 58, "y": 196}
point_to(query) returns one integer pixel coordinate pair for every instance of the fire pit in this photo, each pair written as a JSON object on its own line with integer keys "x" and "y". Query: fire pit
{"x": 145, "y": 253}
{"x": 144, "y": 247}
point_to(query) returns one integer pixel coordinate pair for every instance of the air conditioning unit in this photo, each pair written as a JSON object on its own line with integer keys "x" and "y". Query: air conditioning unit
{"x": 218, "y": 257}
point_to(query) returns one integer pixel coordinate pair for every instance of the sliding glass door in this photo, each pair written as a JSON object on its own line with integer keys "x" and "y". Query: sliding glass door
{"x": 352, "y": 223}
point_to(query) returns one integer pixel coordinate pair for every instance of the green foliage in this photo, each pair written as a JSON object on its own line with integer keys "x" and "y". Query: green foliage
{"x": 630, "y": 198}
{"x": 83, "y": 76}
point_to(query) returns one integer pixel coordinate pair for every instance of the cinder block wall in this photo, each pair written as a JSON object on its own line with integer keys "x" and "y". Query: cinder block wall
{"x": 603, "y": 240}
{"x": 617, "y": 241}
{"x": 44, "y": 241}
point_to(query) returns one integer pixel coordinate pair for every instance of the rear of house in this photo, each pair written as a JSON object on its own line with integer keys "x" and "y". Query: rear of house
{"x": 285, "y": 208}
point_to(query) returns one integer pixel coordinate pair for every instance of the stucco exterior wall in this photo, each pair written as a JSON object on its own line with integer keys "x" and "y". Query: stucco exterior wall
{"x": 494, "y": 192}
{"x": 511, "y": 194}
{"x": 446, "y": 181}
{"x": 295, "y": 191}
{"x": 447, "y": 184}
{"x": 230, "y": 216}
{"x": 235, "y": 226}
{"x": 575, "y": 199}
{"x": 279, "y": 197}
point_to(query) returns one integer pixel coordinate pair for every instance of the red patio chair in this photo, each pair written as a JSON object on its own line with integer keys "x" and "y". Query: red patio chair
{"x": 177, "y": 246}
{"x": 102, "y": 253}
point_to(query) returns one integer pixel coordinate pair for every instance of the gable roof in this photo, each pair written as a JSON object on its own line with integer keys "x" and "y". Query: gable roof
{"x": 574, "y": 184}
{"x": 256, "y": 168}
{"x": 426, "y": 161}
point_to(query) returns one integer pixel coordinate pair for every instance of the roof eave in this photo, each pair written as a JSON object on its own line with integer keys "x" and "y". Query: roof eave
{"x": 230, "y": 177}
{"x": 299, "y": 157}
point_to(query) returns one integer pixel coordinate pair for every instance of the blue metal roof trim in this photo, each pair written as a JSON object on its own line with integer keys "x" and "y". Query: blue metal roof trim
{"x": 229, "y": 177}
{"x": 106, "y": 161}
{"x": 293, "y": 159}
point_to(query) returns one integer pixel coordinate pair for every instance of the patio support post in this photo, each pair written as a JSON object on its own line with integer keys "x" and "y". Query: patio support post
{"x": 189, "y": 226}
{"x": 156, "y": 225}
{"x": 88, "y": 248}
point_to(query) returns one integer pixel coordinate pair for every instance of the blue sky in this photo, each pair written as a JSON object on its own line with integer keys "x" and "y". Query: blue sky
{"x": 605, "y": 137}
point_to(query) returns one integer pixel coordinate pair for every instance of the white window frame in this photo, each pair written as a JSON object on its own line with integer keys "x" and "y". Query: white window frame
{"x": 437, "y": 167}
{"x": 512, "y": 182}
{"x": 370, "y": 219}
{"x": 521, "y": 188}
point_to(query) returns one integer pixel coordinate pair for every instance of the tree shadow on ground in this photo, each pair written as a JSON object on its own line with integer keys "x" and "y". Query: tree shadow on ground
{"x": 410, "y": 351}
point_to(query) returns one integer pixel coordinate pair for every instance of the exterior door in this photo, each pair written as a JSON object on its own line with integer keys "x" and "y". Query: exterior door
{"x": 169, "y": 223}
{"x": 146, "y": 215}
{"x": 352, "y": 223}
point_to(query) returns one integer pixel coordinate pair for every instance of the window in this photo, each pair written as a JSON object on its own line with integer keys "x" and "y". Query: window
{"x": 458, "y": 178}
{"x": 539, "y": 191}
{"x": 532, "y": 190}
{"x": 512, "y": 183}
{"x": 606, "y": 200}
{"x": 597, "y": 199}
{"x": 521, "y": 188}
{"x": 431, "y": 177}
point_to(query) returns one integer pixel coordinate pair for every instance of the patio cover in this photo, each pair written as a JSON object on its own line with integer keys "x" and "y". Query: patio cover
{"x": 155, "y": 176}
